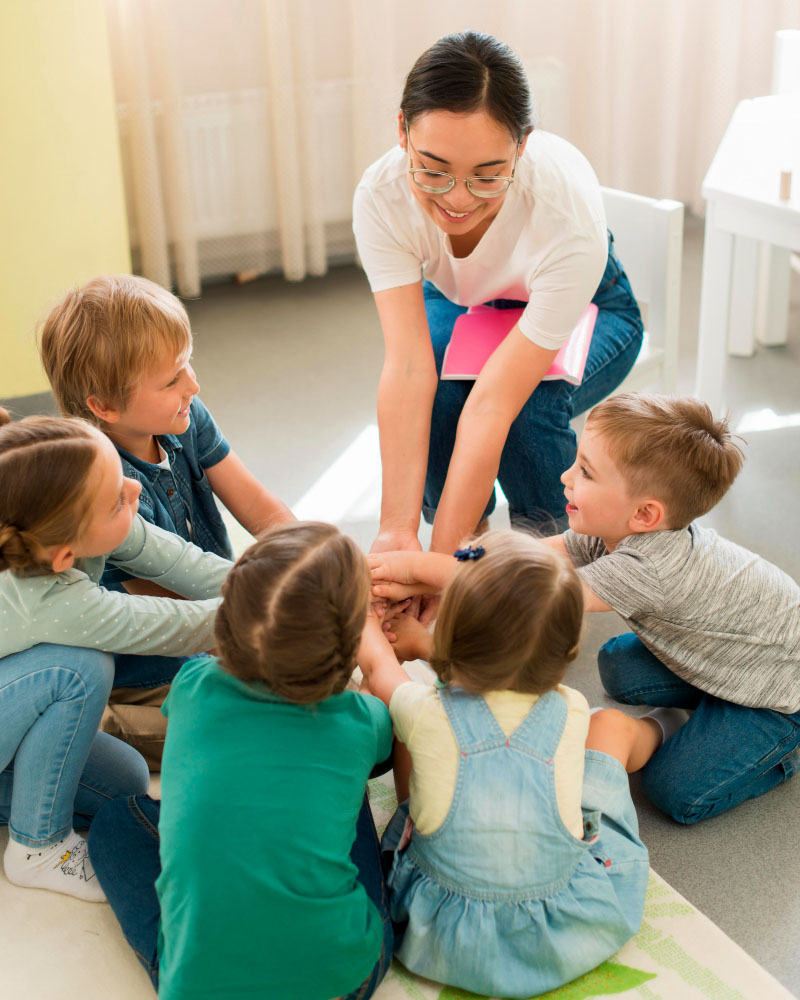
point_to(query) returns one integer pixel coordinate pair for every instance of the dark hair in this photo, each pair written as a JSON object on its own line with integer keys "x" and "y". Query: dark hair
{"x": 511, "y": 620}
{"x": 45, "y": 494}
{"x": 293, "y": 610}
{"x": 468, "y": 71}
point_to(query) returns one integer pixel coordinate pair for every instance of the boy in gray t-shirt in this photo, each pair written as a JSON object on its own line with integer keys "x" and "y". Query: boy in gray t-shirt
{"x": 715, "y": 628}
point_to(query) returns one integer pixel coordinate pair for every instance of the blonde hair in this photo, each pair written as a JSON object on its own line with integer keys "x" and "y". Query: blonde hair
{"x": 510, "y": 620}
{"x": 669, "y": 447}
{"x": 102, "y": 338}
{"x": 45, "y": 498}
{"x": 293, "y": 610}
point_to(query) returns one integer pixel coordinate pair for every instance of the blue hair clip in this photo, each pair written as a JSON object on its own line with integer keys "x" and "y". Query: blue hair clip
{"x": 470, "y": 552}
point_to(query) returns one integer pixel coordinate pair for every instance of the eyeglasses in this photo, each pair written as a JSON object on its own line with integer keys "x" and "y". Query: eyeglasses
{"x": 440, "y": 182}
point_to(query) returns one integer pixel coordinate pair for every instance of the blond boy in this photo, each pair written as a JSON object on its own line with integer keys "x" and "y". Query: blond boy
{"x": 118, "y": 352}
{"x": 715, "y": 628}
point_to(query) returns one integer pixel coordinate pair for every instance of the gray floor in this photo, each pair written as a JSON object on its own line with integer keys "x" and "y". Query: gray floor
{"x": 290, "y": 372}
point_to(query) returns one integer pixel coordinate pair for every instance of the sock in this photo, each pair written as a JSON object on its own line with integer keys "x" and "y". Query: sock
{"x": 62, "y": 867}
{"x": 669, "y": 719}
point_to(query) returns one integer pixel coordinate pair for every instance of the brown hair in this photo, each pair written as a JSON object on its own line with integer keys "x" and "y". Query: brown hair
{"x": 293, "y": 610}
{"x": 44, "y": 499}
{"x": 671, "y": 448}
{"x": 510, "y": 620}
{"x": 100, "y": 339}
{"x": 469, "y": 71}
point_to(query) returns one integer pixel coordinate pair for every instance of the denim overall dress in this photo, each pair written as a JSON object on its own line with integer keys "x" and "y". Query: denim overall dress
{"x": 502, "y": 899}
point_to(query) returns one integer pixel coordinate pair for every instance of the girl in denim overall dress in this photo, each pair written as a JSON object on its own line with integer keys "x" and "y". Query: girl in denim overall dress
{"x": 517, "y": 861}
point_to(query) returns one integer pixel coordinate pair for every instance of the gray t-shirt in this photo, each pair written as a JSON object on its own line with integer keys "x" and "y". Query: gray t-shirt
{"x": 720, "y": 617}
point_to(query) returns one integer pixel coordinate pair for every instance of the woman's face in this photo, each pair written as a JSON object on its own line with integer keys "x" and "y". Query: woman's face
{"x": 465, "y": 145}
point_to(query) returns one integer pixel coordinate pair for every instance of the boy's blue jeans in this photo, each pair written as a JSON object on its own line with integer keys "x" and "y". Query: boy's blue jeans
{"x": 143, "y": 671}
{"x": 540, "y": 443}
{"x": 722, "y": 756}
{"x": 56, "y": 770}
{"x": 124, "y": 849}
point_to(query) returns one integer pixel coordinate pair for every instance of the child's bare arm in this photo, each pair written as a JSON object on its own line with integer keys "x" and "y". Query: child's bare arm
{"x": 398, "y": 575}
{"x": 409, "y": 638}
{"x": 251, "y": 503}
{"x": 557, "y": 542}
{"x": 378, "y": 663}
{"x": 591, "y": 602}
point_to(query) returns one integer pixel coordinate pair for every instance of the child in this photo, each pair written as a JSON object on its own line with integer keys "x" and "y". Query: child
{"x": 117, "y": 353}
{"x": 64, "y": 507}
{"x": 524, "y": 867}
{"x": 270, "y": 881}
{"x": 715, "y": 628}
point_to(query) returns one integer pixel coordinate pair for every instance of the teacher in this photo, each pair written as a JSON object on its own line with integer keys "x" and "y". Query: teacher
{"x": 474, "y": 206}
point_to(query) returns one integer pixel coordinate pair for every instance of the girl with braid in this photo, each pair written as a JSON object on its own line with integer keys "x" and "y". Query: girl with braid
{"x": 66, "y": 509}
{"x": 269, "y": 878}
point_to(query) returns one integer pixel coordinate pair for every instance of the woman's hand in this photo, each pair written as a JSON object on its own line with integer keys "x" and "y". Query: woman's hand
{"x": 393, "y": 541}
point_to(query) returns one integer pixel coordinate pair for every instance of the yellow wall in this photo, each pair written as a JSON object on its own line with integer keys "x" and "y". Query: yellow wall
{"x": 62, "y": 207}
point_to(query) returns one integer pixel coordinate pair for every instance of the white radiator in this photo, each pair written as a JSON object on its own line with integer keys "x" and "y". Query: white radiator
{"x": 227, "y": 139}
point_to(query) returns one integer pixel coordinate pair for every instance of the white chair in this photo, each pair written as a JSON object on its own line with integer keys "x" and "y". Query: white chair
{"x": 648, "y": 239}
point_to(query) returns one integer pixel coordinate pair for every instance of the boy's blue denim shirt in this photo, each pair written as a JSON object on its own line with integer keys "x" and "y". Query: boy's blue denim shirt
{"x": 172, "y": 496}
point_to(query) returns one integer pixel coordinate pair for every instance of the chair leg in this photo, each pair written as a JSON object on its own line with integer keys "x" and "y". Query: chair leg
{"x": 744, "y": 286}
{"x": 773, "y": 298}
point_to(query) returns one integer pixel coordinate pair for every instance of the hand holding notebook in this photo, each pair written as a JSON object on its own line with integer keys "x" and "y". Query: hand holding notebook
{"x": 480, "y": 330}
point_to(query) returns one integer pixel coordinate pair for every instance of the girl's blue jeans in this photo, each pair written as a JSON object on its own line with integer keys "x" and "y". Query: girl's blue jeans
{"x": 124, "y": 849}
{"x": 540, "y": 443}
{"x": 723, "y": 755}
{"x": 56, "y": 769}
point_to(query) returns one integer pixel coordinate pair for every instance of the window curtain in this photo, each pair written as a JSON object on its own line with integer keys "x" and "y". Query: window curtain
{"x": 246, "y": 124}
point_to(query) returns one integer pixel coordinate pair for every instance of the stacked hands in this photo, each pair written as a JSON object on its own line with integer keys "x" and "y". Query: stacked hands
{"x": 406, "y": 588}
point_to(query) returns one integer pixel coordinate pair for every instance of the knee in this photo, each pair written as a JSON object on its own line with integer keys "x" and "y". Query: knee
{"x": 668, "y": 794}
{"x": 611, "y": 731}
{"x": 91, "y": 668}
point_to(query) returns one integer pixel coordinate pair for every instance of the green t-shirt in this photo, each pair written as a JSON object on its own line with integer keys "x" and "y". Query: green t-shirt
{"x": 260, "y": 799}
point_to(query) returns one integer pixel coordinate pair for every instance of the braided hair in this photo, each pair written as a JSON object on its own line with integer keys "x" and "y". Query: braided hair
{"x": 293, "y": 610}
{"x": 44, "y": 467}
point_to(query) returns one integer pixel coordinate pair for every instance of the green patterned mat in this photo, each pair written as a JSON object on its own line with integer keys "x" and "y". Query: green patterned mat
{"x": 678, "y": 954}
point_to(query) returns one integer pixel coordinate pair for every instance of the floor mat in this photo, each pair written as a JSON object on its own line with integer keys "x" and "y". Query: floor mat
{"x": 678, "y": 953}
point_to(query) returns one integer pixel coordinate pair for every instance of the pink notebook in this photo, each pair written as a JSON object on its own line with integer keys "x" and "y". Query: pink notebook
{"x": 481, "y": 329}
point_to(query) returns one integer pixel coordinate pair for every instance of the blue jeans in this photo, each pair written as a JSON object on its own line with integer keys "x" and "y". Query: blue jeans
{"x": 540, "y": 443}
{"x": 57, "y": 770}
{"x": 135, "y": 671}
{"x": 722, "y": 756}
{"x": 124, "y": 846}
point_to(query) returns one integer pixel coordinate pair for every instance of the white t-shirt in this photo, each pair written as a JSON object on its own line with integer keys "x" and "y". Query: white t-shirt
{"x": 547, "y": 245}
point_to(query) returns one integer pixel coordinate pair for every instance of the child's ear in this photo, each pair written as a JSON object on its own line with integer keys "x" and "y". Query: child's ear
{"x": 62, "y": 558}
{"x": 102, "y": 410}
{"x": 649, "y": 516}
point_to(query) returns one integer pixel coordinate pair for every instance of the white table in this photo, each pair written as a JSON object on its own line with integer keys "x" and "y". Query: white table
{"x": 743, "y": 208}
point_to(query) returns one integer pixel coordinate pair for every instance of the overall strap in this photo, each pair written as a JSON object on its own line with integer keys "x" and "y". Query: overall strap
{"x": 543, "y": 726}
{"x": 471, "y": 719}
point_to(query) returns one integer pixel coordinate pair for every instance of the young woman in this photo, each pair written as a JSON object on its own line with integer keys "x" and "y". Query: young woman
{"x": 474, "y": 206}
